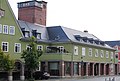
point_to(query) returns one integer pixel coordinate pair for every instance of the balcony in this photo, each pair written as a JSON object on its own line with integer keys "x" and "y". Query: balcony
{"x": 54, "y": 53}
{"x": 58, "y": 50}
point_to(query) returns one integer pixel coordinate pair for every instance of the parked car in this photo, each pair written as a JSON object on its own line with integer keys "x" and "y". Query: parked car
{"x": 39, "y": 75}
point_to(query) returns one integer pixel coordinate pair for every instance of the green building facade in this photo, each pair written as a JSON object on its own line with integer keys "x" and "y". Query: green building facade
{"x": 66, "y": 52}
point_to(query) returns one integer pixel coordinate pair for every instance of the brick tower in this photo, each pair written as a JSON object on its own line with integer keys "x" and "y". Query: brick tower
{"x": 33, "y": 11}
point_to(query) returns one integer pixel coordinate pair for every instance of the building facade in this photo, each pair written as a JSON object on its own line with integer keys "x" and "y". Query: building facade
{"x": 66, "y": 52}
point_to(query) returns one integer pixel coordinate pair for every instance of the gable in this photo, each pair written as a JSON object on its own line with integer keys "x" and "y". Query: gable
{"x": 7, "y": 18}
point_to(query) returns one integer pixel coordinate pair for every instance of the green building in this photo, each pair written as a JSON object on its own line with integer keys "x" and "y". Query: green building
{"x": 66, "y": 52}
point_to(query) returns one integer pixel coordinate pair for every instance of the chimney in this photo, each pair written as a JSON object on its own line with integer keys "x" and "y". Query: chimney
{"x": 85, "y": 31}
{"x": 33, "y": 11}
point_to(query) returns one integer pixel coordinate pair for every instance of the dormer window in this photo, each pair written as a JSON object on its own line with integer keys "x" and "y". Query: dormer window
{"x": 97, "y": 42}
{"x": 102, "y": 43}
{"x": 27, "y": 34}
{"x": 38, "y": 35}
{"x": 91, "y": 40}
{"x": 77, "y": 37}
{"x": 84, "y": 39}
{"x": 34, "y": 33}
{"x": 2, "y": 12}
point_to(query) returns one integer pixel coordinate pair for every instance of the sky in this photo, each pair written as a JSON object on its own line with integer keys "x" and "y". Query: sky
{"x": 99, "y": 17}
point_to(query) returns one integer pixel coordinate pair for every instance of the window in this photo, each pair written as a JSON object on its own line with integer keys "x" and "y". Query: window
{"x": 111, "y": 55}
{"x": 76, "y": 68}
{"x": 75, "y": 50}
{"x": 2, "y": 12}
{"x": 90, "y": 52}
{"x": 5, "y": 29}
{"x": 28, "y": 47}
{"x": 38, "y": 68}
{"x": 96, "y": 53}
{"x": 83, "y": 51}
{"x": 102, "y": 53}
{"x": 27, "y": 34}
{"x": 5, "y": 46}
{"x": 107, "y": 54}
{"x": 17, "y": 48}
{"x": 51, "y": 49}
{"x": 38, "y": 36}
{"x": 40, "y": 47}
{"x": 61, "y": 49}
{"x": 12, "y": 30}
{"x": 0, "y": 28}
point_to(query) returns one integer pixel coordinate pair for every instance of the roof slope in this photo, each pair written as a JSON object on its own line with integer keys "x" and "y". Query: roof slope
{"x": 113, "y": 43}
{"x": 30, "y": 26}
{"x": 71, "y": 33}
{"x": 56, "y": 33}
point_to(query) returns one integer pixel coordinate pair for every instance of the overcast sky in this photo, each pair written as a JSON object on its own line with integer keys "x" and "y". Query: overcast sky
{"x": 99, "y": 17}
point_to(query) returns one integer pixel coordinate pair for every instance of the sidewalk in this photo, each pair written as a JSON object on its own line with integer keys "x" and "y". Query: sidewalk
{"x": 117, "y": 78}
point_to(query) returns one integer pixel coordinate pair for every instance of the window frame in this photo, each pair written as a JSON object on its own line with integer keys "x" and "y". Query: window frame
{"x": 101, "y": 53}
{"x": 61, "y": 49}
{"x": 19, "y": 48}
{"x": 83, "y": 51}
{"x": 107, "y": 54}
{"x": 76, "y": 50}
{"x": 13, "y": 30}
{"x": 7, "y": 50}
{"x": 40, "y": 46}
{"x": 28, "y": 46}
{"x": 96, "y": 53}
{"x": 5, "y": 29}
{"x": 90, "y": 51}
{"x": 111, "y": 55}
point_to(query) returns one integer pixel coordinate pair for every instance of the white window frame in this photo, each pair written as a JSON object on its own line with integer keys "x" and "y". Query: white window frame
{"x": 27, "y": 46}
{"x": 61, "y": 49}
{"x": 96, "y": 53}
{"x": 18, "y": 47}
{"x": 107, "y": 54}
{"x": 111, "y": 55}
{"x": 12, "y": 30}
{"x": 0, "y": 28}
{"x": 83, "y": 51}
{"x": 41, "y": 49}
{"x": 6, "y": 45}
{"x": 101, "y": 53}
{"x": 75, "y": 50}
{"x": 5, "y": 29}
{"x": 90, "y": 52}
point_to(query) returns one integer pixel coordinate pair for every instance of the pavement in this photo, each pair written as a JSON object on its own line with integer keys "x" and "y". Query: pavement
{"x": 108, "y": 78}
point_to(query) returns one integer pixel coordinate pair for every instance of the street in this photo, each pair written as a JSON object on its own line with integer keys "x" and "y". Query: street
{"x": 110, "y": 78}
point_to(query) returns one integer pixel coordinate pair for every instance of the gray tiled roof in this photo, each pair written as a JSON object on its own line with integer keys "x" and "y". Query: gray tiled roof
{"x": 71, "y": 33}
{"x": 58, "y": 34}
{"x": 29, "y": 27}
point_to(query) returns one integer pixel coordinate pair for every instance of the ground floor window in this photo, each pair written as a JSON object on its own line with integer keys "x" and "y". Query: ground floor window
{"x": 54, "y": 68}
{"x": 67, "y": 68}
{"x": 76, "y": 69}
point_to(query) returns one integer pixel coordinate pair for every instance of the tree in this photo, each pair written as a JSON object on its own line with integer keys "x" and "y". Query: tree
{"x": 31, "y": 57}
{"x": 6, "y": 63}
